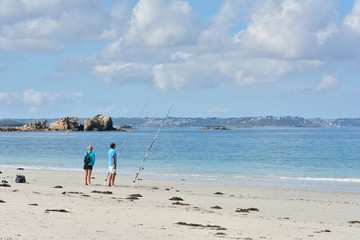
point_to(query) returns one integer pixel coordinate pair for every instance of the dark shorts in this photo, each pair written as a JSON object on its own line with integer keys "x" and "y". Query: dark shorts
{"x": 88, "y": 167}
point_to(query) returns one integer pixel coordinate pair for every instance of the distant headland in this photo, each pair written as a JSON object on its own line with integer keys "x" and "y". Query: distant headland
{"x": 107, "y": 123}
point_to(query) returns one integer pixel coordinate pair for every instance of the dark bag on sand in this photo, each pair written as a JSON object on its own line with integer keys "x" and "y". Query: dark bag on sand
{"x": 20, "y": 179}
{"x": 87, "y": 159}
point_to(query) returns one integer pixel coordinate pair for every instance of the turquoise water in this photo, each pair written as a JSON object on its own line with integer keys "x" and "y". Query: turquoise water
{"x": 321, "y": 158}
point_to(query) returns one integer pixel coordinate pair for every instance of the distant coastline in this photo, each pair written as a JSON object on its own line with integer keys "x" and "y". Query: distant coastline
{"x": 235, "y": 122}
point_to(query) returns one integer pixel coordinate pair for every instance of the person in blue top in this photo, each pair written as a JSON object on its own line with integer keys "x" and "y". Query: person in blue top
{"x": 89, "y": 166}
{"x": 112, "y": 164}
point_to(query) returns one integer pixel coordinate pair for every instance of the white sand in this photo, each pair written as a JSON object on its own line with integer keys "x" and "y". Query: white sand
{"x": 283, "y": 213}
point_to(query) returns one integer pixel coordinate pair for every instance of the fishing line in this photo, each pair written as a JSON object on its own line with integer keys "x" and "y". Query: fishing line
{"x": 126, "y": 139}
{"x": 152, "y": 143}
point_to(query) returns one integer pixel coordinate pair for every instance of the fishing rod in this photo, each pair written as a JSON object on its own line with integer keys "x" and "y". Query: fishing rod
{"x": 152, "y": 143}
{"x": 126, "y": 139}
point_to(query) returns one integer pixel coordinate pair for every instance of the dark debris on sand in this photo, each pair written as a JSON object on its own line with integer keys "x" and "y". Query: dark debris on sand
{"x": 56, "y": 210}
{"x": 2, "y": 201}
{"x": 247, "y": 210}
{"x": 134, "y": 196}
{"x": 323, "y": 231}
{"x": 218, "y": 193}
{"x": 220, "y": 234}
{"x": 213, "y": 227}
{"x": 216, "y": 207}
{"x": 33, "y": 204}
{"x": 58, "y": 187}
{"x": 180, "y": 203}
{"x": 354, "y": 222}
{"x": 176, "y": 199}
{"x": 102, "y": 192}
{"x": 72, "y": 193}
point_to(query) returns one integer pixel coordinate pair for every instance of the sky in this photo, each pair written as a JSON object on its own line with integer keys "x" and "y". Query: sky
{"x": 229, "y": 58}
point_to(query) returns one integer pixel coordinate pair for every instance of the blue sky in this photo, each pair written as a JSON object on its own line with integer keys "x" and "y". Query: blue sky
{"x": 232, "y": 58}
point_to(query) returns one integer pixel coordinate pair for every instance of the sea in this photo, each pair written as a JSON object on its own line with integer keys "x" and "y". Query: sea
{"x": 307, "y": 158}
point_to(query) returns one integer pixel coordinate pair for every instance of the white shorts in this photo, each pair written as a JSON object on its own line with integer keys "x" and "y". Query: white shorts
{"x": 112, "y": 170}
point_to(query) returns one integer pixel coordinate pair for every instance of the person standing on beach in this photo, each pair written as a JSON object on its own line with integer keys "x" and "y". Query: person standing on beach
{"x": 89, "y": 166}
{"x": 112, "y": 164}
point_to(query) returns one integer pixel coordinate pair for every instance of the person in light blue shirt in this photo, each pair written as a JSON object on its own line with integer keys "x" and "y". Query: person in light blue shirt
{"x": 88, "y": 167}
{"x": 112, "y": 164}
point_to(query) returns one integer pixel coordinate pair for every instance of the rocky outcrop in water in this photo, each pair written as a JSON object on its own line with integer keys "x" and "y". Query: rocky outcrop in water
{"x": 34, "y": 126}
{"x": 215, "y": 128}
{"x": 65, "y": 124}
{"x": 99, "y": 123}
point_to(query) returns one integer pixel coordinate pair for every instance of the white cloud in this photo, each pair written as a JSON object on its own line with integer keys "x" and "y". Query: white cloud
{"x": 182, "y": 56}
{"x": 231, "y": 14}
{"x": 8, "y": 10}
{"x": 324, "y": 34}
{"x": 280, "y": 28}
{"x": 39, "y": 6}
{"x": 33, "y": 97}
{"x": 352, "y": 20}
{"x": 40, "y": 27}
{"x": 327, "y": 83}
{"x": 177, "y": 76}
{"x": 49, "y": 24}
{"x": 4, "y": 97}
{"x": 121, "y": 72}
{"x": 162, "y": 23}
{"x": 34, "y": 100}
{"x": 162, "y": 43}
{"x": 273, "y": 40}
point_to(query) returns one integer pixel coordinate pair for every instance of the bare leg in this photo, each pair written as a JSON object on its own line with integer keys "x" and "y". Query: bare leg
{"x": 86, "y": 176}
{"x": 110, "y": 179}
{"x": 89, "y": 176}
{"x": 113, "y": 180}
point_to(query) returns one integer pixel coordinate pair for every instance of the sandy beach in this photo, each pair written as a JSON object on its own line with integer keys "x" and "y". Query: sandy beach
{"x": 57, "y": 205}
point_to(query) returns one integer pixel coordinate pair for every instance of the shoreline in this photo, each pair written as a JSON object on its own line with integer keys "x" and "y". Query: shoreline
{"x": 40, "y": 209}
{"x": 301, "y": 183}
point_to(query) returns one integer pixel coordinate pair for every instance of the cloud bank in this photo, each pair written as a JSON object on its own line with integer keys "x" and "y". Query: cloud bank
{"x": 164, "y": 44}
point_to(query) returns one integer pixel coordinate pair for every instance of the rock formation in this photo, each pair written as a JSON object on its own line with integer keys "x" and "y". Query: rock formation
{"x": 215, "y": 128}
{"x": 34, "y": 126}
{"x": 99, "y": 123}
{"x": 65, "y": 124}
